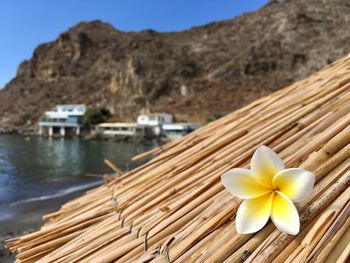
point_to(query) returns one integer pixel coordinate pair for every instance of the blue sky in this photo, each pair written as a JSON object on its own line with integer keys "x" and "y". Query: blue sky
{"x": 25, "y": 24}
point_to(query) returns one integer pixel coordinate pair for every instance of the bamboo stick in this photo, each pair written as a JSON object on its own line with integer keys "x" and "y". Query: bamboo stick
{"x": 339, "y": 247}
{"x": 266, "y": 252}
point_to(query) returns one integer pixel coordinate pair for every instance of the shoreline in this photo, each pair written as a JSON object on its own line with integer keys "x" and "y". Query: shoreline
{"x": 38, "y": 175}
{"x": 27, "y": 219}
{"x": 87, "y": 137}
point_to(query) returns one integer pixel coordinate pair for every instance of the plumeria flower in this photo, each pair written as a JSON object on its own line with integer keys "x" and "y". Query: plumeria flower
{"x": 269, "y": 190}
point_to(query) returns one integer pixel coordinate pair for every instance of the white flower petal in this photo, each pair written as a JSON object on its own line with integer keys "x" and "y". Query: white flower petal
{"x": 265, "y": 164}
{"x": 241, "y": 183}
{"x": 253, "y": 214}
{"x": 295, "y": 183}
{"x": 284, "y": 214}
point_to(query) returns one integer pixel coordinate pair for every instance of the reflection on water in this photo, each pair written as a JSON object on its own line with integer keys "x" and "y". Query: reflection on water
{"x": 38, "y": 166}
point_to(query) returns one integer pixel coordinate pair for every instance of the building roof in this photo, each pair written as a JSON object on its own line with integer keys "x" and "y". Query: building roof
{"x": 174, "y": 207}
{"x": 117, "y": 124}
{"x": 71, "y": 105}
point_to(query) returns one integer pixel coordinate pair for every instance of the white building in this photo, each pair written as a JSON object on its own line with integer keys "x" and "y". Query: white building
{"x": 162, "y": 124}
{"x": 117, "y": 128}
{"x": 63, "y": 118}
{"x": 154, "y": 119}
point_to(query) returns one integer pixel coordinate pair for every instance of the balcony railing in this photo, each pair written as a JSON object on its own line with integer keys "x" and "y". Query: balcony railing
{"x": 60, "y": 122}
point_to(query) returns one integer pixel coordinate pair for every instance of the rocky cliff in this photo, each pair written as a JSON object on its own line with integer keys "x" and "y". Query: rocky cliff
{"x": 193, "y": 74}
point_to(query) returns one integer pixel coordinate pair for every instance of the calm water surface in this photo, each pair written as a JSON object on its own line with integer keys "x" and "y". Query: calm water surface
{"x": 36, "y": 169}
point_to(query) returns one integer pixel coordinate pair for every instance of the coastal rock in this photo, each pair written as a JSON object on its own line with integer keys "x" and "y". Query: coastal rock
{"x": 192, "y": 74}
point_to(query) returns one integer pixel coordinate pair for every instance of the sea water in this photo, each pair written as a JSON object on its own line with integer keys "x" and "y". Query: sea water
{"x": 36, "y": 170}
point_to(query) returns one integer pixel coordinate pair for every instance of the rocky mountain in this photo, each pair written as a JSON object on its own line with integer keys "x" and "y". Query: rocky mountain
{"x": 194, "y": 74}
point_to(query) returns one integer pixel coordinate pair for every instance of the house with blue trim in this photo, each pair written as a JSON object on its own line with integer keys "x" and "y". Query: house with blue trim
{"x": 63, "y": 119}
